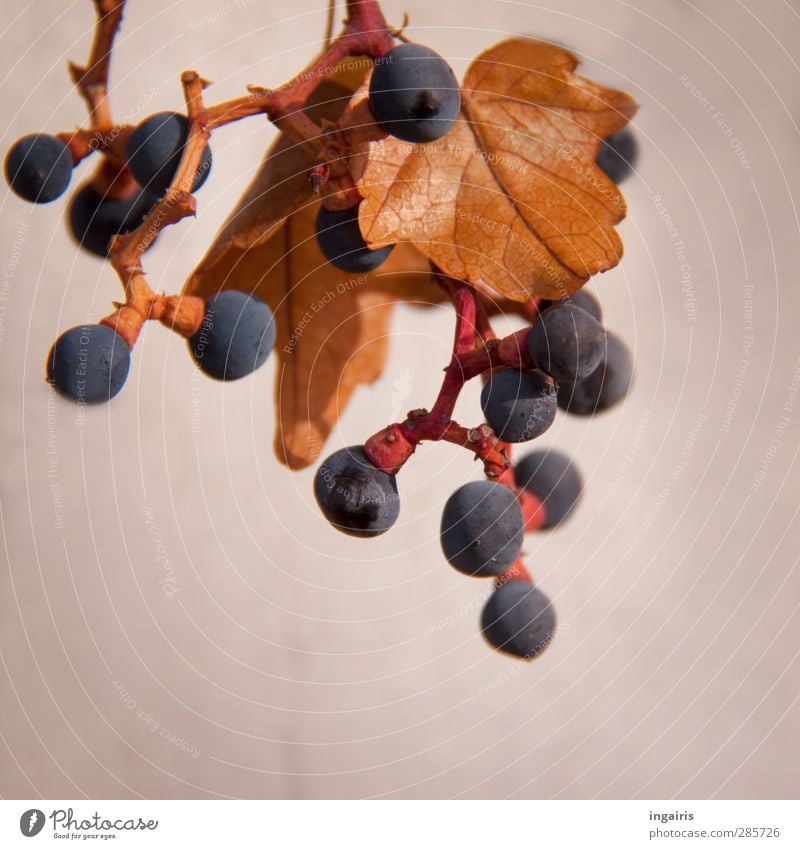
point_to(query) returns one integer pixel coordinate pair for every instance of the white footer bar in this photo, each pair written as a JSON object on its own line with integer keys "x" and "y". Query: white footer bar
{"x": 403, "y": 824}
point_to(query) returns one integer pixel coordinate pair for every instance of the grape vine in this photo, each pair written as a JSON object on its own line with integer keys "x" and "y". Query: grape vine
{"x": 146, "y": 180}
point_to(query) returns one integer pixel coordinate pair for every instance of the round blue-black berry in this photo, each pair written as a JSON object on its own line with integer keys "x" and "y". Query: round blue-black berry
{"x": 236, "y": 336}
{"x": 605, "y": 387}
{"x": 38, "y": 168}
{"x": 88, "y": 364}
{"x": 94, "y": 219}
{"x": 583, "y": 299}
{"x": 554, "y": 479}
{"x": 618, "y": 155}
{"x": 482, "y": 529}
{"x": 340, "y": 240}
{"x": 518, "y": 405}
{"x": 566, "y": 342}
{"x": 519, "y": 619}
{"x": 414, "y": 94}
{"x": 154, "y": 152}
{"x": 354, "y": 496}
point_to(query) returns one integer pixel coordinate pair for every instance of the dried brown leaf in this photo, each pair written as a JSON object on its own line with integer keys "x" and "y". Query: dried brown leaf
{"x": 332, "y": 327}
{"x": 510, "y": 197}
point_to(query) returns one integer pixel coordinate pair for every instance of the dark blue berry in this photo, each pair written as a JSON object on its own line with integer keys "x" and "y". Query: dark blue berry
{"x": 340, "y": 240}
{"x": 94, "y": 219}
{"x": 482, "y": 528}
{"x": 414, "y": 94}
{"x": 519, "y": 619}
{"x": 566, "y": 342}
{"x": 39, "y": 168}
{"x": 518, "y": 405}
{"x": 618, "y": 155}
{"x": 583, "y": 299}
{"x": 154, "y": 152}
{"x": 88, "y": 364}
{"x": 606, "y": 386}
{"x": 553, "y": 478}
{"x": 236, "y": 336}
{"x": 354, "y": 496}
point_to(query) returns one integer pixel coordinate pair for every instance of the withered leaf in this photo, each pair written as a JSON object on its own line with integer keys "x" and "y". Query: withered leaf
{"x": 510, "y": 197}
{"x": 332, "y": 327}
{"x": 281, "y": 185}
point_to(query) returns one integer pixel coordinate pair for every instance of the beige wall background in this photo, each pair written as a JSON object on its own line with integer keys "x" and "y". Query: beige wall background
{"x": 293, "y": 662}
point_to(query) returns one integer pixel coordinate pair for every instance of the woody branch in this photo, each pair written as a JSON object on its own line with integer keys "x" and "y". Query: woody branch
{"x": 365, "y": 33}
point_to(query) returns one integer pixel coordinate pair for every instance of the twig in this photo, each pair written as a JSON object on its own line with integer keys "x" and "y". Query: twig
{"x": 329, "y": 24}
{"x": 476, "y": 352}
{"x": 390, "y": 448}
{"x": 365, "y": 33}
{"x": 92, "y": 80}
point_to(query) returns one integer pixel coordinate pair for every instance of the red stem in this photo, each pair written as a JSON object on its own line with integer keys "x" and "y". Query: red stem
{"x": 484, "y": 326}
{"x": 390, "y": 448}
{"x": 516, "y": 571}
{"x": 466, "y": 306}
{"x": 476, "y": 351}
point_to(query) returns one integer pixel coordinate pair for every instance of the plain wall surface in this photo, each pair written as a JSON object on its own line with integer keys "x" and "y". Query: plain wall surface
{"x": 290, "y": 661}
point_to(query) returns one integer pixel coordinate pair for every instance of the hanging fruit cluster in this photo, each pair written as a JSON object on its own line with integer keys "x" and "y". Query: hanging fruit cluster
{"x": 499, "y": 194}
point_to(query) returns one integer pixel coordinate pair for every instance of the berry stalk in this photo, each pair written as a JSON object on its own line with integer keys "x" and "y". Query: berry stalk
{"x": 476, "y": 351}
{"x": 147, "y": 179}
{"x": 365, "y": 33}
{"x": 92, "y": 79}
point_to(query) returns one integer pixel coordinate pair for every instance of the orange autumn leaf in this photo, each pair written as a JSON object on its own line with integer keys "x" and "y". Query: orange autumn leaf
{"x": 511, "y": 197}
{"x": 332, "y": 327}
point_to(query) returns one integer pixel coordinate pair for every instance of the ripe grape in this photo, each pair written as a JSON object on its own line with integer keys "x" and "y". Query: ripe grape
{"x": 236, "y": 336}
{"x": 154, "y": 152}
{"x": 606, "y": 386}
{"x": 518, "y": 405}
{"x": 519, "y": 619}
{"x": 553, "y": 478}
{"x": 414, "y": 94}
{"x": 38, "y": 167}
{"x": 618, "y": 154}
{"x": 94, "y": 219}
{"x": 482, "y": 528}
{"x": 88, "y": 364}
{"x": 583, "y": 299}
{"x": 567, "y": 342}
{"x": 354, "y": 496}
{"x": 340, "y": 240}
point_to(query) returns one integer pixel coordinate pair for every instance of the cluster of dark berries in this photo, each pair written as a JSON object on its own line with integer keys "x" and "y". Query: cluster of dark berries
{"x": 89, "y": 363}
{"x": 38, "y": 168}
{"x": 577, "y": 366}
